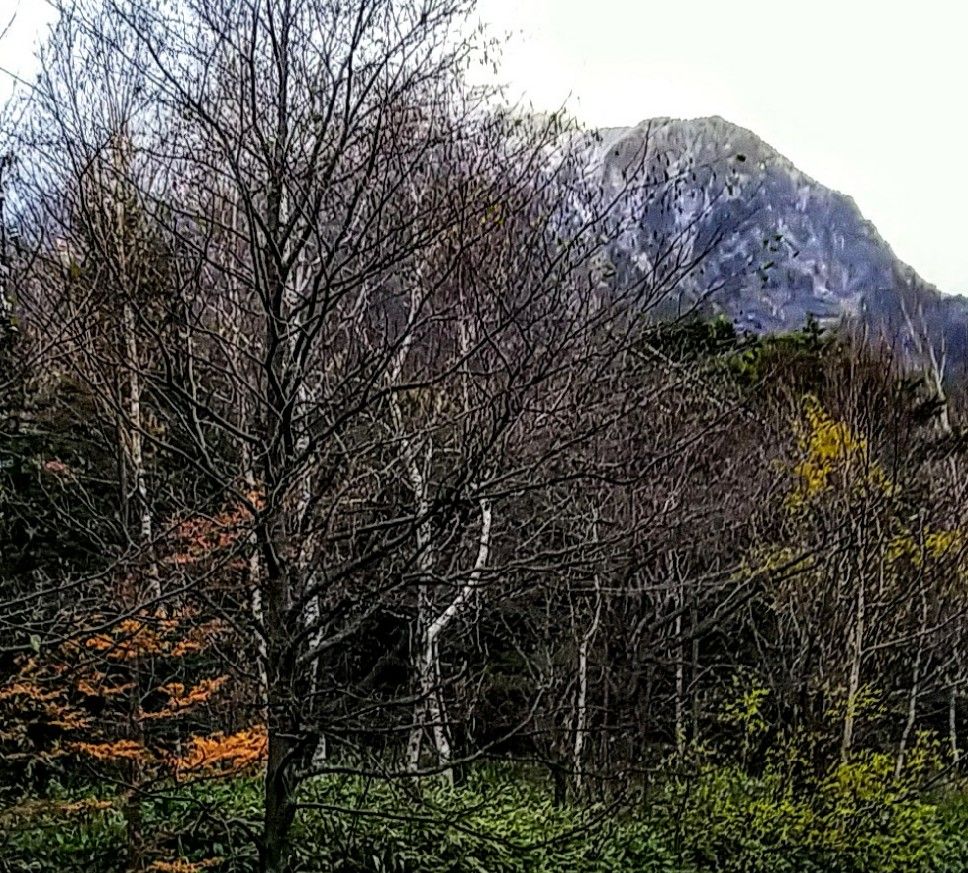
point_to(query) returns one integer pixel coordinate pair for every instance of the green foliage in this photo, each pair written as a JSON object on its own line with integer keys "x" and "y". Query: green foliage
{"x": 495, "y": 824}
{"x": 791, "y": 357}
{"x": 746, "y": 360}
{"x": 694, "y": 339}
{"x": 857, "y": 818}
{"x": 62, "y": 832}
{"x": 743, "y": 713}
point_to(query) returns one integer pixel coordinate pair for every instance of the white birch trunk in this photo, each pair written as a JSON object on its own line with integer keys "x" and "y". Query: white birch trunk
{"x": 911, "y": 714}
{"x": 853, "y": 682}
{"x": 581, "y": 701}
{"x": 254, "y": 566}
{"x": 135, "y": 447}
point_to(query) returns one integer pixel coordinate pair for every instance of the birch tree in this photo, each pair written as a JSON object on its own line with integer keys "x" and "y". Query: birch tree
{"x": 376, "y": 235}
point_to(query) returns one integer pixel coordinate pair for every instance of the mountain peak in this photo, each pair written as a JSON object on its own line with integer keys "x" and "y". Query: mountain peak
{"x": 779, "y": 246}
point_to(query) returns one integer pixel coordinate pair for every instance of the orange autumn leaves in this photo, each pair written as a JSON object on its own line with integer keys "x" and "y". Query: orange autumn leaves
{"x": 120, "y": 750}
{"x": 214, "y": 755}
{"x": 56, "y": 697}
{"x": 197, "y": 539}
{"x": 142, "y": 695}
{"x": 224, "y": 754}
{"x": 157, "y": 636}
{"x": 180, "y": 865}
{"x": 34, "y": 701}
{"x": 142, "y": 687}
{"x": 181, "y": 699}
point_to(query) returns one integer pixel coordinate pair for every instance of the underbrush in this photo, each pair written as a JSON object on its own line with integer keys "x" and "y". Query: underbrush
{"x": 709, "y": 816}
{"x": 858, "y": 818}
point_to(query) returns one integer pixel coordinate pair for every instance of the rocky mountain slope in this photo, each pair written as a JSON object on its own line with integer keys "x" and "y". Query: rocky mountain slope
{"x": 728, "y": 225}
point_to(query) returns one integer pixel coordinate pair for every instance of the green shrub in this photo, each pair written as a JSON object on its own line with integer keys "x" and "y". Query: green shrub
{"x": 857, "y": 819}
{"x": 494, "y": 825}
{"x": 714, "y": 817}
{"x": 61, "y": 834}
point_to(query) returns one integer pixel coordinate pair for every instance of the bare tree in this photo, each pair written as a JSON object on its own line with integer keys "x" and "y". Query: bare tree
{"x": 366, "y": 279}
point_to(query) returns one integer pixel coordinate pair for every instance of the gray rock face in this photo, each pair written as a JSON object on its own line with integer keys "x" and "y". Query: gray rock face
{"x": 738, "y": 230}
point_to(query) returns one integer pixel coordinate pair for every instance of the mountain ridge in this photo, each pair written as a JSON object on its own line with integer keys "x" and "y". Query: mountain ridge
{"x": 789, "y": 248}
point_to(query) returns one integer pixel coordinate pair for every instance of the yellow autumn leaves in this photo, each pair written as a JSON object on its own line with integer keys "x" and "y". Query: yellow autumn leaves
{"x": 833, "y": 458}
{"x": 832, "y": 455}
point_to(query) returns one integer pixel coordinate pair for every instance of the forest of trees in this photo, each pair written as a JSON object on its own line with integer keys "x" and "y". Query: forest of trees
{"x": 358, "y": 513}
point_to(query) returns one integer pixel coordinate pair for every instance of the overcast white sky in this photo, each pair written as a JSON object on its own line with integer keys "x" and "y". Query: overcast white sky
{"x": 26, "y": 19}
{"x": 865, "y": 96}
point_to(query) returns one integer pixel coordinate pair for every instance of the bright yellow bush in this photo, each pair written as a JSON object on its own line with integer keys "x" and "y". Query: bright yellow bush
{"x": 831, "y": 453}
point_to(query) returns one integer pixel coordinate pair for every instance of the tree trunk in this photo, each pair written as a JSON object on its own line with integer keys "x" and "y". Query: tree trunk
{"x": 853, "y": 682}
{"x": 426, "y": 645}
{"x": 133, "y": 823}
{"x": 431, "y": 711}
{"x": 915, "y": 687}
{"x": 694, "y": 675}
{"x": 279, "y": 807}
{"x": 911, "y": 715}
{"x": 953, "y": 710}
{"x": 953, "y": 723}
{"x": 680, "y": 683}
{"x": 282, "y": 698}
{"x": 282, "y": 731}
{"x": 581, "y": 701}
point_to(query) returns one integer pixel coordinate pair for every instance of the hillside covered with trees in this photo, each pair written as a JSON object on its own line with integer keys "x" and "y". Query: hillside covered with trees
{"x": 361, "y": 510}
